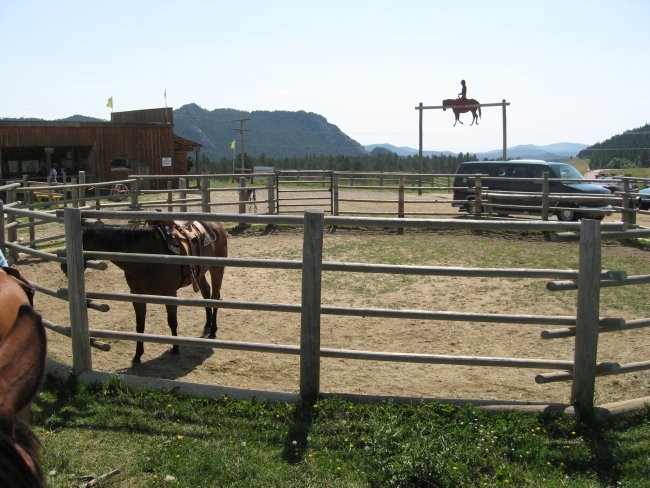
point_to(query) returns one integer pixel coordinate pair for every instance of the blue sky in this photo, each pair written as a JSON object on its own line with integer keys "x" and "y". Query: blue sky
{"x": 572, "y": 71}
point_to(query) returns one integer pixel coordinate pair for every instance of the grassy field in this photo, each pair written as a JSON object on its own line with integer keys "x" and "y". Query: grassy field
{"x": 163, "y": 439}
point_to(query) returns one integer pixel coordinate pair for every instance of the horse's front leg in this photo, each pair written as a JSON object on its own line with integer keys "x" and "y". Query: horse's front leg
{"x": 140, "y": 316}
{"x": 172, "y": 322}
{"x": 210, "y": 327}
{"x": 216, "y": 277}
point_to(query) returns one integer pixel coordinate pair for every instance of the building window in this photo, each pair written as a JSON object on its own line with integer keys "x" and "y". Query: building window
{"x": 120, "y": 164}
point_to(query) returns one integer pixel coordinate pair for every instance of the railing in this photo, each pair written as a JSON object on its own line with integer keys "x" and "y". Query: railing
{"x": 585, "y": 325}
{"x": 291, "y": 192}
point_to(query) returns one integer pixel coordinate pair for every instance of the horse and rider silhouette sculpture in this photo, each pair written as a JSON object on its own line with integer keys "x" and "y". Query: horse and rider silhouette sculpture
{"x": 462, "y": 104}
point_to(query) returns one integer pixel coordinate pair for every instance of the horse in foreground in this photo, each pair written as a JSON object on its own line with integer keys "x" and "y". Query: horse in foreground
{"x": 459, "y": 107}
{"x": 22, "y": 364}
{"x": 14, "y": 292}
{"x": 192, "y": 238}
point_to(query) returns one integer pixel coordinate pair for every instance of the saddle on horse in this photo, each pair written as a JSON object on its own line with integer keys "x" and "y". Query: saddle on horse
{"x": 185, "y": 239}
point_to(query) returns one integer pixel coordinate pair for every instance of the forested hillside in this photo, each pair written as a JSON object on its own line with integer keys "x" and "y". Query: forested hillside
{"x": 631, "y": 149}
{"x": 275, "y": 135}
{"x": 375, "y": 161}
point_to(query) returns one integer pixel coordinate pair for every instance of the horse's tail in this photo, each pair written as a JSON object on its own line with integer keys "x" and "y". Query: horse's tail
{"x": 479, "y": 111}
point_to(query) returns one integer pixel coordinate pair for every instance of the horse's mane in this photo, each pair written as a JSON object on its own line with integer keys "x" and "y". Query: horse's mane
{"x": 123, "y": 238}
{"x": 14, "y": 472}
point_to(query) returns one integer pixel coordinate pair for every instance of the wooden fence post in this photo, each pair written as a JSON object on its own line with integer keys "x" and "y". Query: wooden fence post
{"x": 81, "y": 355}
{"x": 242, "y": 195}
{"x": 478, "y": 201}
{"x": 205, "y": 194}
{"x": 82, "y": 189}
{"x": 270, "y": 195}
{"x": 74, "y": 192}
{"x": 629, "y": 215}
{"x": 586, "y": 336}
{"x": 335, "y": 194}
{"x": 312, "y": 260}
{"x": 182, "y": 186}
{"x": 170, "y": 197}
{"x": 545, "y": 198}
{"x": 29, "y": 198}
{"x": 400, "y": 203}
{"x": 12, "y": 232}
{"x": 135, "y": 194}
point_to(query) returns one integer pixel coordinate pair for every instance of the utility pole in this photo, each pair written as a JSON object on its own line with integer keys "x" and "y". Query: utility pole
{"x": 241, "y": 139}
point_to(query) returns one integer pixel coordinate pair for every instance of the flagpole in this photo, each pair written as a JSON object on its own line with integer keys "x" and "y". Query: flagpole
{"x": 166, "y": 120}
{"x": 109, "y": 103}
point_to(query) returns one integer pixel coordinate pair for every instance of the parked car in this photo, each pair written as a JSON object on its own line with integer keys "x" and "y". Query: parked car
{"x": 513, "y": 171}
{"x": 644, "y": 199}
{"x": 612, "y": 184}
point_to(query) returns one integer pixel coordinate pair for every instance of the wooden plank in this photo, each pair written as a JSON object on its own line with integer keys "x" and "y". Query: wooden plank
{"x": 566, "y": 320}
{"x": 418, "y": 358}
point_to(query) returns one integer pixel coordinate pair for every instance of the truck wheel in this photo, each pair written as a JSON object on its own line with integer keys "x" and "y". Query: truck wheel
{"x": 471, "y": 207}
{"x": 567, "y": 215}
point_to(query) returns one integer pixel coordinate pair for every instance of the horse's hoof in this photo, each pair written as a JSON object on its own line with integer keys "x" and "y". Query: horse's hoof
{"x": 175, "y": 351}
{"x": 136, "y": 360}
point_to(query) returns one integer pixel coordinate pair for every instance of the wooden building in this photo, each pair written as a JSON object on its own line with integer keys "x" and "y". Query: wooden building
{"x": 135, "y": 142}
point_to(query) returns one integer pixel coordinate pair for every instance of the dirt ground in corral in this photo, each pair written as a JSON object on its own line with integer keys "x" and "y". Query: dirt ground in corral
{"x": 280, "y": 372}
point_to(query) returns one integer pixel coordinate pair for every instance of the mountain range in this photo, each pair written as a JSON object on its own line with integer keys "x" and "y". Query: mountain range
{"x": 281, "y": 134}
{"x": 274, "y": 135}
{"x": 551, "y": 152}
{"x": 285, "y": 134}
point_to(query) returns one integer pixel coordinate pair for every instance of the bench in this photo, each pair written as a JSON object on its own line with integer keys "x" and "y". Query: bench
{"x": 47, "y": 196}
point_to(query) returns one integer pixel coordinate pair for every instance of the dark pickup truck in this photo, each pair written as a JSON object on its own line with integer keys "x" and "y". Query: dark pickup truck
{"x": 515, "y": 181}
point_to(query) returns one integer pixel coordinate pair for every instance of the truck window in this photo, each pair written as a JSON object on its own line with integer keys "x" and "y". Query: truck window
{"x": 519, "y": 172}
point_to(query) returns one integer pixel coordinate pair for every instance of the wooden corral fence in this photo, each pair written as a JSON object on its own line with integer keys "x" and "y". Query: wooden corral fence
{"x": 292, "y": 192}
{"x": 585, "y": 325}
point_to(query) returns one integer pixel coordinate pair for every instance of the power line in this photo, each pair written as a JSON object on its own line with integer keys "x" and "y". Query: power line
{"x": 241, "y": 137}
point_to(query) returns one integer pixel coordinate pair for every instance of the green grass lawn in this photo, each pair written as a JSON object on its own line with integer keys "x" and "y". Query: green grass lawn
{"x": 163, "y": 439}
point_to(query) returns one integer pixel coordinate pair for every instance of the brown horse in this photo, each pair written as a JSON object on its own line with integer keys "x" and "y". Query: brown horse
{"x": 22, "y": 364}
{"x": 14, "y": 292}
{"x": 162, "y": 279}
{"x": 459, "y": 107}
